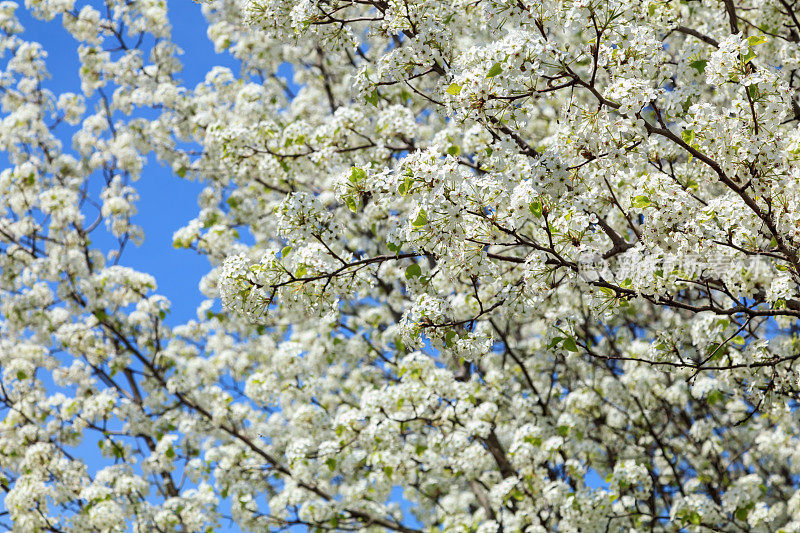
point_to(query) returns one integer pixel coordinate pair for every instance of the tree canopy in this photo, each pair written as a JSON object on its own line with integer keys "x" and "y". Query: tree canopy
{"x": 483, "y": 266}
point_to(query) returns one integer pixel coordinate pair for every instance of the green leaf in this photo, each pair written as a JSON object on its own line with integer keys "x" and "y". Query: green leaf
{"x": 181, "y": 172}
{"x": 715, "y": 397}
{"x": 331, "y": 462}
{"x": 285, "y": 251}
{"x": 535, "y": 441}
{"x": 715, "y": 351}
{"x": 699, "y": 65}
{"x": 301, "y": 271}
{"x": 748, "y": 57}
{"x": 405, "y": 186}
{"x": 454, "y": 89}
{"x": 608, "y": 291}
{"x": 162, "y": 314}
{"x": 212, "y": 219}
{"x": 640, "y": 202}
{"x": 454, "y": 150}
{"x": 413, "y": 270}
{"x": 496, "y": 69}
{"x": 694, "y": 518}
{"x": 351, "y": 204}
{"x": 170, "y": 453}
{"x": 448, "y": 338}
{"x": 688, "y": 136}
{"x": 570, "y": 345}
{"x": 372, "y": 97}
{"x": 563, "y": 431}
{"x": 536, "y": 209}
{"x": 421, "y": 220}
{"x": 21, "y": 375}
{"x": 357, "y": 174}
{"x": 755, "y": 40}
{"x": 742, "y": 512}
{"x": 555, "y": 342}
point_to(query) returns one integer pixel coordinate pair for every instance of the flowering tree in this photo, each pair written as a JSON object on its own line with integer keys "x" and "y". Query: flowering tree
{"x": 498, "y": 249}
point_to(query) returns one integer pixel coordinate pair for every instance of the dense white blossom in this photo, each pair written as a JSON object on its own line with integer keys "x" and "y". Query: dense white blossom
{"x": 483, "y": 266}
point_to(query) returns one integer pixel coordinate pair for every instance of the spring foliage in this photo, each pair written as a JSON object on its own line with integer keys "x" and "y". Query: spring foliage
{"x": 486, "y": 265}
